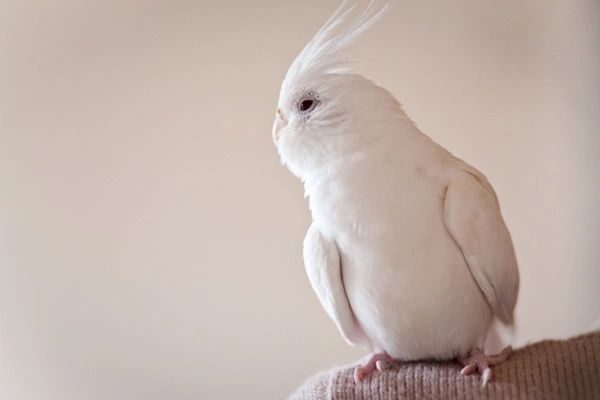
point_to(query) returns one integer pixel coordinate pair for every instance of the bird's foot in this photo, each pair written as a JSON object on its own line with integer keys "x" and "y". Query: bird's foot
{"x": 477, "y": 361}
{"x": 377, "y": 361}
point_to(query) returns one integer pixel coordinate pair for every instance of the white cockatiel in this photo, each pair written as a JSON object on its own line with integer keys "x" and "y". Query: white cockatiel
{"x": 408, "y": 252}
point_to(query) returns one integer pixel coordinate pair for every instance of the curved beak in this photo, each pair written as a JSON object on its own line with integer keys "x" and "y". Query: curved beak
{"x": 278, "y": 125}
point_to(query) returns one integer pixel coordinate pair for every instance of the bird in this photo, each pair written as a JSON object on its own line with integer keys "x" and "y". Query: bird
{"x": 408, "y": 251}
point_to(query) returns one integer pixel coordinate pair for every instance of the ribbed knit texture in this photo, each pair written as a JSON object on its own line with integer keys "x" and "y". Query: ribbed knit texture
{"x": 552, "y": 369}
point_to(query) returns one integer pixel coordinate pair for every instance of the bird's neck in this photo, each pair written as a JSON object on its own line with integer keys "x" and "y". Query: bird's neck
{"x": 315, "y": 177}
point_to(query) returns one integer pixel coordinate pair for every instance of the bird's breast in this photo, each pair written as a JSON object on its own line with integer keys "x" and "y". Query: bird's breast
{"x": 400, "y": 266}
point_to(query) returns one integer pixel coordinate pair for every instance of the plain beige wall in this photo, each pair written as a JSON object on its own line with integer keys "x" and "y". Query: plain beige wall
{"x": 150, "y": 242}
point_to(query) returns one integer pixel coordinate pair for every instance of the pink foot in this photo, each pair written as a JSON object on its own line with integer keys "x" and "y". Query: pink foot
{"x": 379, "y": 361}
{"x": 478, "y": 361}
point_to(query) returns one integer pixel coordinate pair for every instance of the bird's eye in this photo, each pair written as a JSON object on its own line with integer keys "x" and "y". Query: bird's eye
{"x": 307, "y": 104}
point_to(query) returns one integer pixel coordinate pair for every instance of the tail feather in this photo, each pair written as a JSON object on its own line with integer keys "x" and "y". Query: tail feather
{"x": 499, "y": 336}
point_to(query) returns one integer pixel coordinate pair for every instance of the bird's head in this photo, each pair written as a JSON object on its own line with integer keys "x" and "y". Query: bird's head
{"x": 323, "y": 106}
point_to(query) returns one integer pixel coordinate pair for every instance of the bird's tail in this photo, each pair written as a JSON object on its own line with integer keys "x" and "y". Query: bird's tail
{"x": 499, "y": 336}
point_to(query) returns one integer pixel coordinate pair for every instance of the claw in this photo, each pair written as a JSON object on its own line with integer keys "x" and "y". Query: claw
{"x": 381, "y": 365}
{"x": 377, "y": 361}
{"x": 478, "y": 361}
{"x": 486, "y": 376}
{"x": 469, "y": 369}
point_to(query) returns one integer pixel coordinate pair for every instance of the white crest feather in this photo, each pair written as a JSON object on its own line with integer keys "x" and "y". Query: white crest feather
{"x": 324, "y": 53}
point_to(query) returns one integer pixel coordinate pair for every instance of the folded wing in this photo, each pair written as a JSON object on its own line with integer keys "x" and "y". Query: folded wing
{"x": 323, "y": 266}
{"x": 473, "y": 218}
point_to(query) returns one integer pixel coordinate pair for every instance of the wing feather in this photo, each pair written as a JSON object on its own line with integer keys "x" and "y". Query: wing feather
{"x": 323, "y": 266}
{"x": 473, "y": 218}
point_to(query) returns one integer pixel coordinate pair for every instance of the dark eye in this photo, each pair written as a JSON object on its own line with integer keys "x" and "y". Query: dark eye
{"x": 308, "y": 103}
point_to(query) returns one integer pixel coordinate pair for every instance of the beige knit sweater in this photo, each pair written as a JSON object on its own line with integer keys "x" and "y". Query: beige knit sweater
{"x": 551, "y": 369}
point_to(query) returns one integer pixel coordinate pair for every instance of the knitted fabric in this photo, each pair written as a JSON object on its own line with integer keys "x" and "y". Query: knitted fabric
{"x": 552, "y": 369}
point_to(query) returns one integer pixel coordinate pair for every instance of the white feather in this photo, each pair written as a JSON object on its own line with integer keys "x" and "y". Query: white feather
{"x": 324, "y": 271}
{"x": 325, "y": 52}
{"x": 424, "y": 257}
{"x": 473, "y": 218}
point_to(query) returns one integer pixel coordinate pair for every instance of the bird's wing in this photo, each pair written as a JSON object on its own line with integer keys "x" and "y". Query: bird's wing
{"x": 323, "y": 266}
{"x": 472, "y": 216}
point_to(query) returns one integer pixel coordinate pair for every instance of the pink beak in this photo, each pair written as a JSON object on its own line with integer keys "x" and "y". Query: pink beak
{"x": 280, "y": 123}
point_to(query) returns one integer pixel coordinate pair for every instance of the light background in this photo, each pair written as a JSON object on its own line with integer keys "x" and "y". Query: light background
{"x": 150, "y": 242}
